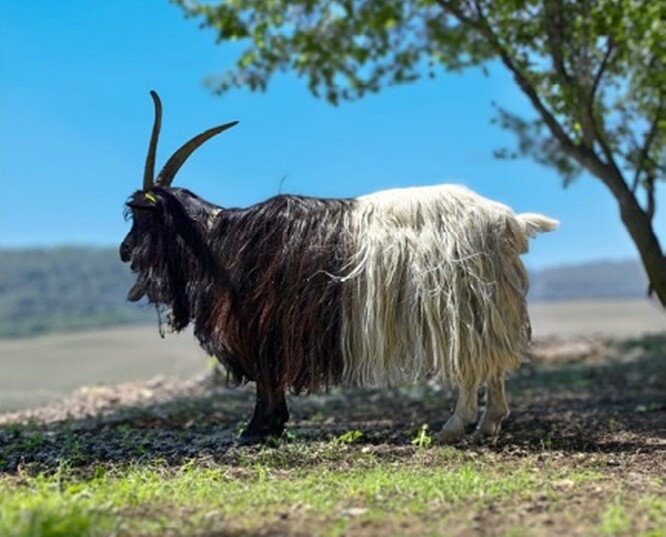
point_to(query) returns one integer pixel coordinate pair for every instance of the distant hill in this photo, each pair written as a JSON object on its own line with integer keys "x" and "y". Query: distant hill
{"x": 63, "y": 289}
{"x": 59, "y": 289}
{"x": 600, "y": 280}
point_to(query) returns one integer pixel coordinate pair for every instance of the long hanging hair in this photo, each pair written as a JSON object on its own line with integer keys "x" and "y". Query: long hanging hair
{"x": 437, "y": 287}
{"x": 282, "y": 258}
{"x": 301, "y": 293}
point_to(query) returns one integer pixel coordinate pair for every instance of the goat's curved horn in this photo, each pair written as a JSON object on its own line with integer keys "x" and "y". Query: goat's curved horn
{"x": 149, "y": 170}
{"x": 172, "y": 166}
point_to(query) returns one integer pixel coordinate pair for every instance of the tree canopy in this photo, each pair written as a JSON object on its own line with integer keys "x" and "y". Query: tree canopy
{"x": 593, "y": 70}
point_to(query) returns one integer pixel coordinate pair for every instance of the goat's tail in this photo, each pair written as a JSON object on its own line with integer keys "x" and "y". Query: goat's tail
{"x": 533, "y": 223}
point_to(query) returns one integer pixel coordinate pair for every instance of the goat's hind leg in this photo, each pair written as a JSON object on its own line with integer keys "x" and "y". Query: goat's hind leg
{"x": 464, "y": 414}
{"x": 497, "y": 409}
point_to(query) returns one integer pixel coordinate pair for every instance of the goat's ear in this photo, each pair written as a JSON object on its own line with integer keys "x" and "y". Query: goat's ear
{"x": 144, "y": 200}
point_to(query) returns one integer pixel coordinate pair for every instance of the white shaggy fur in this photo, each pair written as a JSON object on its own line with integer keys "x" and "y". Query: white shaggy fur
{"x": 436, "y": 287}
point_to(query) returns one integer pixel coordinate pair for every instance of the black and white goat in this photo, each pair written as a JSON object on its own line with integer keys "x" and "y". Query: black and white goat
{"x": 298, "y": 293}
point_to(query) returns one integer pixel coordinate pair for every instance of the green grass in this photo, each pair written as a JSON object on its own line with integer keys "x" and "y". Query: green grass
{"x": 329, "y": 488}
{"x": 270, "y": 484}
{"x": 622, "y": 515}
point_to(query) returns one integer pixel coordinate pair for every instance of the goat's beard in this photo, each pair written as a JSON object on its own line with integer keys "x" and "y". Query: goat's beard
{"x": 173, "y": 279}
{"x": 162, "y": 284}
{"x": 149, "y": 280}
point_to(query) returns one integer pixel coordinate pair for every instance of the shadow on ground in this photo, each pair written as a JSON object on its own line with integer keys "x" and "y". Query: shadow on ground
{"x": 604, "y": 397}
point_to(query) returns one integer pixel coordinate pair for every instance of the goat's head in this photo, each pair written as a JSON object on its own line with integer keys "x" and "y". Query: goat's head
{"x": 168, "y": 225}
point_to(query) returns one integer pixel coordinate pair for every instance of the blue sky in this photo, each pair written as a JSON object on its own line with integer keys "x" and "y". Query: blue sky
{"x": 75, "y": 117}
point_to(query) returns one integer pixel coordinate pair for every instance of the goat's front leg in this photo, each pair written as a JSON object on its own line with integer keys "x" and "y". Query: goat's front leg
{"x": 464, "y": 414}
{"x": 269, "y": 418}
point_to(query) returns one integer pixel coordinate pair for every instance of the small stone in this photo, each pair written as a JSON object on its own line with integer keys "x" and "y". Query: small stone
{"x": 354, "y": 511}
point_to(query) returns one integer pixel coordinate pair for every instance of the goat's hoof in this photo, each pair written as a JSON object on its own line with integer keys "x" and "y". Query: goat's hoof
{"x": 487, "y": 430}
{"x": 257, "y": 439}
{"x": 449, "y": 437}
{"x": 481, "y": 436}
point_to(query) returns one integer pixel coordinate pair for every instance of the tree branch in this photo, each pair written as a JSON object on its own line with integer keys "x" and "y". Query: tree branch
{"x": 650, "y": 136}
{"x": 597, "y": 123}
{"x": 584, "y": 155}
{"x": 608, "y": 171}
{"x": 649, "y": 189}
{"x": 610, "y": 48}
{"x": 554, "y": 36}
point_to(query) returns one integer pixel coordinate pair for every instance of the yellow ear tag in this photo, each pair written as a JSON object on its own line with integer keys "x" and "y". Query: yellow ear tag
{"x": 150, "y": 197}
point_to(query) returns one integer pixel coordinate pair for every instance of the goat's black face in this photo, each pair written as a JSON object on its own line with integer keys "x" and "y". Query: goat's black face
{"x": 144, "y": 211}
{"x": 168, "y": 237}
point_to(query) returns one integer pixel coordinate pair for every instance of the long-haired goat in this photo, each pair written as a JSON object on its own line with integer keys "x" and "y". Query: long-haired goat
{"x": 298, "y": 293}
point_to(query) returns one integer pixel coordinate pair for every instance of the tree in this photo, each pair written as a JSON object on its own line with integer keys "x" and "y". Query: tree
{"x": 593, "y": 70}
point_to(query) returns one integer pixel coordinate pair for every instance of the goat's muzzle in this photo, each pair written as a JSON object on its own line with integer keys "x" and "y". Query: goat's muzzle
{"x": 125, "y": 251}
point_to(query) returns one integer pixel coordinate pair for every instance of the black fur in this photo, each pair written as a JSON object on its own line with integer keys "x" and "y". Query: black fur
{"x": 259, "y": 284}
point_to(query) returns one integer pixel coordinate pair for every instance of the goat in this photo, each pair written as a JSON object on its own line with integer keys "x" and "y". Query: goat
{"x": 300, "y": 293}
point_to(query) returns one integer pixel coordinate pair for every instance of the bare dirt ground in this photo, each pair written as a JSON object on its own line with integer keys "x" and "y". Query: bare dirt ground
{"x": 586, "y": 395}
{"x": 585, "y": 402}
{"x": 39, "y": 370}
{"x": 603, "y": 318}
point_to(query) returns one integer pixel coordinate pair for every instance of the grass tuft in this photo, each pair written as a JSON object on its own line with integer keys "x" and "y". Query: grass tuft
{"x": 144, "y": 499}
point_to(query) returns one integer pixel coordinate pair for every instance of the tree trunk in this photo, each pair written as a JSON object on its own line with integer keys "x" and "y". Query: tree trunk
{"x": 639, "y": 226}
